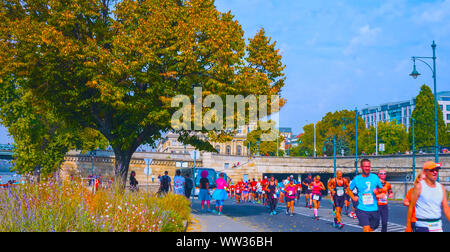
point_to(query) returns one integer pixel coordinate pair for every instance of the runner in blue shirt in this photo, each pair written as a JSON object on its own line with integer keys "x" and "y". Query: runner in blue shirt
{"x": 368, "y": 185}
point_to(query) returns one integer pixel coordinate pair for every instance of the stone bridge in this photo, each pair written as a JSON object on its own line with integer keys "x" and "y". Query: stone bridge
{"x": 397, "y": 166}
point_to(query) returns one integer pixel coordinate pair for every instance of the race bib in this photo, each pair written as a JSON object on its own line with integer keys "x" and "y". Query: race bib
{"x": 290, "y": 192}
{"x": 274, "y": 196}
{"x": 238, "y": 191}
{"x": 340, "y": 192}
{"x": 316, "y": 197}
{"x": 367, "y": 199}
{"x": 383, "y": 199}
{"x": 435, "y": 226}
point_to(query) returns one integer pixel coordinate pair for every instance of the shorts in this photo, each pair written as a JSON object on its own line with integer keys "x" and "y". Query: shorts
{"x": 244, "y": 193}
{"x": 371, "y": 219}
{"x": 289, "y": 199}
{"x": 338, "y": 201}
{"x": 315, "y": 196}
{"x": 308, "y": 191}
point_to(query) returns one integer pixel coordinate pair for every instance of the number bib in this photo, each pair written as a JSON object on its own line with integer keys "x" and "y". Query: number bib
{"x": 367, "y": 199}
{"x": 435, "y": 226}
{"x": 316, "y": 197}
{"x": 290, "y": 192}
{"x": 339, "y": 191}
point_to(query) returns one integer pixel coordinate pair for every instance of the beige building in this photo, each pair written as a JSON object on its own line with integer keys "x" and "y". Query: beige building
{"x": 235, "y": 147}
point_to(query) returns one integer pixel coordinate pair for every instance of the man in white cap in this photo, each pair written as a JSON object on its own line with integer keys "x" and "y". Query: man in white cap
{"x": 429, "y": 200}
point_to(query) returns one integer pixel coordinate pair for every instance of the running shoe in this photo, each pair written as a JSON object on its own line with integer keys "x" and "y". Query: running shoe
{"x": 208, "y": 210}
{"x": 335, "y": 225}
{"x": 220, "y": 213}
{"x": 340, "y": 225}
{"x": 292, "y": 215}
{"x": 287, "y": 213}
{"x": 214, "y": 211}
{"x": 271, "y": 213}
{"x": 274, "y": 212}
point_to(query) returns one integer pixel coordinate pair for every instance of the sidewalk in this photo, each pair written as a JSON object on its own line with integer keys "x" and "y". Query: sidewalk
{"x": 211, "y": 222}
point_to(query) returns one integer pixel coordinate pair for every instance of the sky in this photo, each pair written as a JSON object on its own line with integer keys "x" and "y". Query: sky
{"x": 346, "y": 54}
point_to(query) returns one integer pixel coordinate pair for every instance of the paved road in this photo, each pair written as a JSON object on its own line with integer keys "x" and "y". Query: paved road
{"x": 249, "y": 217}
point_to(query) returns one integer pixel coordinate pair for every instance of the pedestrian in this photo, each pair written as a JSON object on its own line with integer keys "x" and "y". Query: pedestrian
{"x": 220, "y": 193}
{"x": 290, "y": 190}
{"x": 188, "y": 185}
{"x": 407, "y": 200}
{"x": 203, "y": 195}
{"x": 368, "y": 186}
{"x": 429, "y": 199}
{"x": 317, "y": 187}
{"x": 165, "y": 183}
{"x": 382, "y": 200}
{"x": 178, "y": 183}
{"x": 271, "y": 190}
{"x": 337, "y": 186}
{"x": 307, "y": 183}
{"x": 133, "y": 182}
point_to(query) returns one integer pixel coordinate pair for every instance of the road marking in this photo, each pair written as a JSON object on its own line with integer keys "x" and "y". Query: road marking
{"x": 326, "y": 215}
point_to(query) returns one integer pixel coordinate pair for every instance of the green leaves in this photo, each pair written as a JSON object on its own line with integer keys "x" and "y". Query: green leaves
{"x": 424, "y": 121}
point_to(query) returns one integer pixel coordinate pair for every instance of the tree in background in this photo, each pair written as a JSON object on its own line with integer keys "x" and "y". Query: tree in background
{"x": 424, "y": 121}
{"x": 392, "y": 134}
{"x": 41, "y": 140}
{"x": 115, "y": 69}
{"x": 266, "y": 148}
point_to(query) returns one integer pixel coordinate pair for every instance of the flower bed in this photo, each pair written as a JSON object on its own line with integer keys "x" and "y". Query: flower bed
{"x": 66, "y": 206}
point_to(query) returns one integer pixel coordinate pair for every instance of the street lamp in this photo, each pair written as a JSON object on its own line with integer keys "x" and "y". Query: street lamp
{"x": 328, "y": 140}
{"x": 415, "y": 74}
{"x": 356, "y": 136}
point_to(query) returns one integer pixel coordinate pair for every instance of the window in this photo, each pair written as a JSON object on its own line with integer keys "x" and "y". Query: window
{"x": 448, "y": 116}
{"x": 228, "y": 150}
{"x": 226, "y": 165}
{"x": 239, "y": 150}
{"x": 442, "y": 108}
{"x": 448, "y": 107}
{"x": 217, "y": 148}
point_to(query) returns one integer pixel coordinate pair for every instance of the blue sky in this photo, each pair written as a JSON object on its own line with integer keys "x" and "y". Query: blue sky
{"x": 345, "y": 54}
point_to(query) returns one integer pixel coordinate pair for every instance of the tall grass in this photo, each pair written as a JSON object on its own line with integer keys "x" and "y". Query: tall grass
{"x": 65, "y": 206}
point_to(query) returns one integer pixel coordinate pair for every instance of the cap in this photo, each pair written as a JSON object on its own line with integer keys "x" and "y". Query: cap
{"x": 429, "y": 165}
{"x": 292, "y": 176}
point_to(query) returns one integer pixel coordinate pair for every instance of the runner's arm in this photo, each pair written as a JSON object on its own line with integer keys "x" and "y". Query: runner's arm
{"x": 331, "y": 186}
{"x": 445, "y": 207}
{"x": 412, "y": 204}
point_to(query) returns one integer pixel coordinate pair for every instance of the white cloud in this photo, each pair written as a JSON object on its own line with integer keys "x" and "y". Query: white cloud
{"x": 366, "y": 36}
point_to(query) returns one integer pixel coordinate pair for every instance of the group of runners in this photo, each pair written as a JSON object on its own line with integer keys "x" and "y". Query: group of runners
{"x": 364, "y": 198}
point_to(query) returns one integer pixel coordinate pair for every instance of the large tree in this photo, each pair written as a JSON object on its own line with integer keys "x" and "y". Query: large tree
{"x": 424, "y": 128}
{"x": 114, "y": 67}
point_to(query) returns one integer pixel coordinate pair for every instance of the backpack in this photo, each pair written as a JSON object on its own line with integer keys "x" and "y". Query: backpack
{"x": 165, "y": 183}
{"x": 189, "y": 184}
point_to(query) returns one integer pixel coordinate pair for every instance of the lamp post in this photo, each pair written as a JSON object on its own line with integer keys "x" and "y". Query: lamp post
{"x": 413, "y": 151}
{"x": 415, "y": 74}
{"x": 356, "y": 136}
{"x": 334, "y": 150}
{"x": 93, "y": 154}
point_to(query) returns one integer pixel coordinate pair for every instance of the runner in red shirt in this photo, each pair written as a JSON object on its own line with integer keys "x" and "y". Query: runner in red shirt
{"x": 253, "y": 190}
{"x": 264, "y": 184}
{"x": 231, "y": 191}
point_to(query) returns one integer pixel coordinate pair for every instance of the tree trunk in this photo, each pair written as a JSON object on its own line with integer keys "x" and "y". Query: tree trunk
{"x": 121, "y": 166}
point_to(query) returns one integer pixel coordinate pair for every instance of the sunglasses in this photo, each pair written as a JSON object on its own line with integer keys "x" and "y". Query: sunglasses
{"x": 434, "y": 170}
{"x": 382, "y": 173}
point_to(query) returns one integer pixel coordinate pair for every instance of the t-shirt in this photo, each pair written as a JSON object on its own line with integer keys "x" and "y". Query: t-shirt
{"x": 384, "y": 199}
{"x": 290, "y": 191}
{"x": 203, "y": 182}
{"x": 308, "y": 182}
{"x": 221, "y": 183}
{"x": 366, "y": 197}
{"x": 178, "y": 185}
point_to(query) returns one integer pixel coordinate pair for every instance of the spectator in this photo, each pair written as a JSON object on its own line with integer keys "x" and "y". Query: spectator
{"x": 133, "y": 182}
{"x": 165, "y": 183}
{"x": 188, "y": 186}
{"x": 178, "y": 183}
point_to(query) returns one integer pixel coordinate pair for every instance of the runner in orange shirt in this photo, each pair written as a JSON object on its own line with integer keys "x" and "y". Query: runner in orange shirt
{"x": 382, "y": 200}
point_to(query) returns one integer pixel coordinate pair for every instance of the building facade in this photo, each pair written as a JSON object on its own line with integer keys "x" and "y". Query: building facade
{"x": 401, "y": 111}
